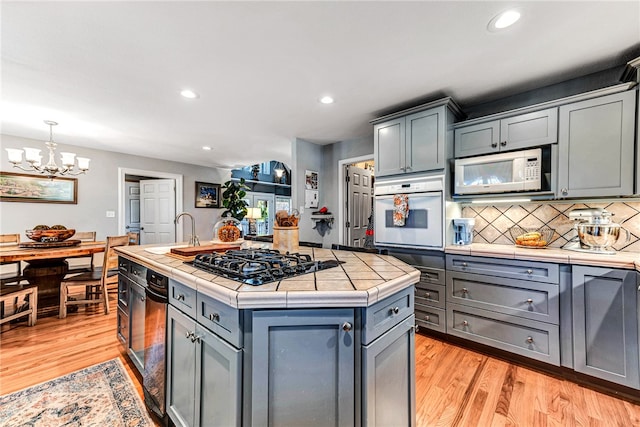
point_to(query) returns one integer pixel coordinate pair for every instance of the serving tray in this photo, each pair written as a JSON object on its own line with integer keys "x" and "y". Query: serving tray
{"x": 46, "y": 245}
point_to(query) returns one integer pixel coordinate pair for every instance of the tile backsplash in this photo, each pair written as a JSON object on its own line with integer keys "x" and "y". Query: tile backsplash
{"x": 493, "y": 221}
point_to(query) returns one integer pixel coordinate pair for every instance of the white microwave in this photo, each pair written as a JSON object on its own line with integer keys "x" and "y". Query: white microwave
{"x": 499, "y": 173}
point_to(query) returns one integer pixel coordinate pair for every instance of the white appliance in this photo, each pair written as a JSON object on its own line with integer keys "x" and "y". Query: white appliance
{"x": 423, "y": 226}
{"x": 463, "y": 230}
{"x": 499, "y": 173}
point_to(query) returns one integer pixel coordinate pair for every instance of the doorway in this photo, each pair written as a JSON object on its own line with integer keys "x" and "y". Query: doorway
{"x": 355, "y": 196}
{"x": 165, "y": 210}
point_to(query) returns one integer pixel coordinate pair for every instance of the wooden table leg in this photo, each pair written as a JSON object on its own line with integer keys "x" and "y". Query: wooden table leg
{"x": 47, "y": 275}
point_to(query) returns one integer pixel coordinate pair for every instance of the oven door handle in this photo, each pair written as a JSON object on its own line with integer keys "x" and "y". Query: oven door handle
{"x": 154, "y": 296}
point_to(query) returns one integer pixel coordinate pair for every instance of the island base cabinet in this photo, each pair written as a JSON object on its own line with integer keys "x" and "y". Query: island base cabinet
{"x": 301, "y": 368}
{"x": 388, "y": 372}
{"x": 605, "y": 324}
{"x": 181, "y": 368}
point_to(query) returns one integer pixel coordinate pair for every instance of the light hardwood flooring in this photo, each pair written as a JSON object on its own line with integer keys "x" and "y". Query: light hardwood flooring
{"x": 454, "y": 386}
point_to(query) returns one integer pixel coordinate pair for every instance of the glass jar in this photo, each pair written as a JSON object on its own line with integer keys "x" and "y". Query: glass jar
{"x": 227, "y": 229}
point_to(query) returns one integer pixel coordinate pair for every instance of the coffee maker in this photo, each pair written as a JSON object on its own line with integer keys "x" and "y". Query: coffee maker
{"x": 463, "y": 230}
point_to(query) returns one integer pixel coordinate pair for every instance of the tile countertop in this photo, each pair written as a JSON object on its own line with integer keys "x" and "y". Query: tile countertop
{"x": 628, "y": 260}
{"x": 361, "y": 281}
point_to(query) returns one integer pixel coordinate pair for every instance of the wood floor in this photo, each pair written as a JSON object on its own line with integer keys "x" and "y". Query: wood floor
{"x": 454, "y": 386}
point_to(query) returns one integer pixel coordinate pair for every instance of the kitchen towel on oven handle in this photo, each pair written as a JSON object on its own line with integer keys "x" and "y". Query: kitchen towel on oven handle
{"x": 400, "y": 209}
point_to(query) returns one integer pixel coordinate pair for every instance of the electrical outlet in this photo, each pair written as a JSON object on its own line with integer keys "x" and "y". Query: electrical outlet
{"x": 111, "y": 214}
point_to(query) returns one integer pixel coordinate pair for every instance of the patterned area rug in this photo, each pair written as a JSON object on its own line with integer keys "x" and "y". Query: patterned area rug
{"x": 100, "y": 395}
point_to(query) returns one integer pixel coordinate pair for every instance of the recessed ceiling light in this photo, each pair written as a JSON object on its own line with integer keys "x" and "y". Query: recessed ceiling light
{"x": 206, "y": 148}
{"x": 326, "y": 100}
{"x": 188, "y": 93}
{"x": 503, "y": 20}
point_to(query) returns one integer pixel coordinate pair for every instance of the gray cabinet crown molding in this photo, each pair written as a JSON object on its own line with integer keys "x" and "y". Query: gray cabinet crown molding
{"x": 448, "y": 101}
{"x": 622, "y": 87}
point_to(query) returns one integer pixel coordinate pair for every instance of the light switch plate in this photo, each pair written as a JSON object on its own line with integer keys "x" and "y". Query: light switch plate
{"x": 111, "y": 214}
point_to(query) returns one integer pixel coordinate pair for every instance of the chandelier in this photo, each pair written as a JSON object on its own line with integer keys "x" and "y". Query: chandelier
{"x": 51, "y": 169}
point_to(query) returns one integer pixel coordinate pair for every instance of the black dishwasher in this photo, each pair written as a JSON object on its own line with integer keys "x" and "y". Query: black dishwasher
{"x": 155, "y": 325}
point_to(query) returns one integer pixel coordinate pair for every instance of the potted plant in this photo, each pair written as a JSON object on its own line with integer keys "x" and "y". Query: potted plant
{"x": 233, "y": 195}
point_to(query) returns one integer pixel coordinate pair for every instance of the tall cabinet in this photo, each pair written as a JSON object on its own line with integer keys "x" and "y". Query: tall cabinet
{"x": 415, "y": 140}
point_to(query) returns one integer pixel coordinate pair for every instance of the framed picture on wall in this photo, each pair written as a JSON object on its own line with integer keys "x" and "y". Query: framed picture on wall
{"x": 20, "y": 187}
{"x": 207, "y": 195}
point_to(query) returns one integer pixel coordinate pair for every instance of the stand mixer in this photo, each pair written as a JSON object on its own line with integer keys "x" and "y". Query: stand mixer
{"x": 596, "y": 232}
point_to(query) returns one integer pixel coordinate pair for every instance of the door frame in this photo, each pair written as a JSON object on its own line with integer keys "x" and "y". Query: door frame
{"x": 122, "y": 172}
{"x": 341, "y": 177}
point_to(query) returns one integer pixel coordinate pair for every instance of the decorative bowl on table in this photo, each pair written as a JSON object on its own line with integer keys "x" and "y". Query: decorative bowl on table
{"x": 50, "y": 235}
{"x": 532, "y": 237}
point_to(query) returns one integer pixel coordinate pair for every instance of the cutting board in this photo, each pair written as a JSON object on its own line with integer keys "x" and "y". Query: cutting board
{"x": 194, "y": 250}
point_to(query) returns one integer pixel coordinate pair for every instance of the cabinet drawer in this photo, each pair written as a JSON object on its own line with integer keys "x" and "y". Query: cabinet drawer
{"x": 123, "y": 265}
{"x": 430, "y": 295}
{"x": 536, "y": 301}
{"x": 385, "y": 314}
{"x": 123, "y": 328}
{"x": 182, "y": 297}
{"x": 430, "y": 275}
{"x": 529, "y": 338}
{"x": 512, "y": 269}
{"x": 138, "y": 273}
{"x": 123, "y": 292}
{"x": 219, "y": 318}
{"x": 430, "y": 318}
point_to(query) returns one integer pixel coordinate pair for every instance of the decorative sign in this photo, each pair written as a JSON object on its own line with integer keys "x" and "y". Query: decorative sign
{"x": 311, "y": 189}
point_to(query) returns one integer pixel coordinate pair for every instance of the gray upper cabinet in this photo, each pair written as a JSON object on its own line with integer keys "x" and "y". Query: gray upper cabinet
{"x": 415, "y": 141}
{"x": 512, "y": 133}
{"x": 596, "y": 147}
{"x": 605, "y": 324}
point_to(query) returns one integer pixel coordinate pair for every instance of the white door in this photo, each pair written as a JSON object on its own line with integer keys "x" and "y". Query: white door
{"x": 157, "y": 211}
{"x": 359, "y": 204}
{"x": 132, "y": 207}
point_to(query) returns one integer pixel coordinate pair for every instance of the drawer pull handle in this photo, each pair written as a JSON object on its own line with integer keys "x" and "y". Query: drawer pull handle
{"x": 503, "y": 143}
{"x": 465, "y": 323}
{"x": 188, "y": 334}
{"x": 530, "y": 340}
{"x": 195, "y": 338}
{"x": 494, "y": 144}
{"x": 214, "y": 317}
{"x": 180, "y": 297}
{"x": 465, "y": 291}
{"x": 529, "y": 301}
{"x": 395, "y": 310}
{"x": 529, "y": 272}
{"x": 464, "y": 264}
{"x": 346, "y": 326}
{"x": 427, "y": 294}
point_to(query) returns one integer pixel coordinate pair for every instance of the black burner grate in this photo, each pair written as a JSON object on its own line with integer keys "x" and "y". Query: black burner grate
{"x": 259, "y": 266}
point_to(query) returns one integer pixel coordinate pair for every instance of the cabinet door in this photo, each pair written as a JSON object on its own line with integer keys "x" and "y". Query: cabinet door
{"x": 425, "y": 143}
{"x": 136, "y": 328}
{"x": 388, "y": 378}
{"x": 596, "y": 147}
{"x": 605, "y": 324}
{"x": 389, "y": 147}
{"x": 483, "y": 138}
{"x": 123, "y": 327}
{"x": 218, "y": 381}
{"x": 302, "y": 368}
{"x": 181, "y": 368}
{"x": 529, "y": 130}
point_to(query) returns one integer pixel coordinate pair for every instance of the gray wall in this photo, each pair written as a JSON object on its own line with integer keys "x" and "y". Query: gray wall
{"x": 307, "y": 156}
{"x": 98, "y": 192}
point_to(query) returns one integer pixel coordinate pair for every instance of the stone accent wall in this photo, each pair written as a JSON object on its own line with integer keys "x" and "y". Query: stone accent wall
{"x": 493, "y": 221}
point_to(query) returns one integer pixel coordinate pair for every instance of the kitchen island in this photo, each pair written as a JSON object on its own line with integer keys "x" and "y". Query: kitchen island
{"x": 333, "y": 347}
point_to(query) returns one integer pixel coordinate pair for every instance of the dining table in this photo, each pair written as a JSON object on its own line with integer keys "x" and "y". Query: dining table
{"x": 46, "y": 267}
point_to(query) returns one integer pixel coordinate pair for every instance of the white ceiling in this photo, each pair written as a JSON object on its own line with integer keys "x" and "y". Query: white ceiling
{"x": 110, "y": 72}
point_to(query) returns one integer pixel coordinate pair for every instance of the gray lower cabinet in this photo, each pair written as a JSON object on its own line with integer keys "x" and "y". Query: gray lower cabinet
{"x": 204, "y": 375}
{"x": 298, "y": 357}
{"x": 596, "y": 147}
{"x": 512, "y": 133}
{"x": 135, "y": 349}
{"x": 605, "y": 324}
{"x": 388, "y": 369}
{"x": 430, "y": 297}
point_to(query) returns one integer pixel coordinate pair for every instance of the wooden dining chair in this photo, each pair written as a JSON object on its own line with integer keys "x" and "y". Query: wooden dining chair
{"x": 84, "y": 263}
{"x": 10, "y": 272}
{"x": 134, "y": 238}
{"x": 93, "y": 283}
{"x": 18, "y": 301}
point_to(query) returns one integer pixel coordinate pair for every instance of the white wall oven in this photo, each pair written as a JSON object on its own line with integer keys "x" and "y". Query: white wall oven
{"x": 423, "y": 225}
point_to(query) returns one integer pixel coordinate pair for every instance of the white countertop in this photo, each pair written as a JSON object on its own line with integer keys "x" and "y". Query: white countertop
{"x": 628, "y": 260}
{"x": 361, "y": 281}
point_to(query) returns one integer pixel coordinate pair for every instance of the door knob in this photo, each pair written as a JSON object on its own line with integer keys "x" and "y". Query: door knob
{"x": 127, "y": 227}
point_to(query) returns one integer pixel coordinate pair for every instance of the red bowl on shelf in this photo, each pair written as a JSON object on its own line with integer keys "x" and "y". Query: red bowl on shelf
{"x": 50, "y": 235}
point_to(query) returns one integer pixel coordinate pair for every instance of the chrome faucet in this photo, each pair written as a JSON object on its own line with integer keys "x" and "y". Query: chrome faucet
{"x": 193, "y": 239}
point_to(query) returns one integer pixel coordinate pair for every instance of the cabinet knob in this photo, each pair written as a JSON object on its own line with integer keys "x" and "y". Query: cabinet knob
{"x": 465, "y": 323}
{"x": 346, "y": 326}
{"x": 530, "y": 340}
{"x": 188, "y": 334}
{"x": 407, "y": 168}
{"x": 124, "y": 291}
{"x": 465, "y": 291}
{"x": 142, "y": 298}
{"x": 195, "y": 338}
{"x": 214, "y": 317}
{"x": 395, "y": 310}
{"x": 427, "y": 294}
{"x": 427, "y": 318}
{"x": 565, "y": 191}
{"x": 529, "y": 272}
{"x": 503, "y": 143}
{"x": 464, "y": 264}
{"x": 529, "y": 301}
{"x": 180, "y": 297}
{"x": 494, "y": 144}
